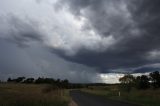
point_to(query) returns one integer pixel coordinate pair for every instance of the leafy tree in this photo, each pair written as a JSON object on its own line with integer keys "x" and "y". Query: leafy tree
{"x": 155, "y": 79}
{"x": 142, "y": 82}
{"x": 39, "y": 80}
{"x": 29, "y": 80}
{"x": 65, "y": 83}
{"x": 127, "y": 81}
{"x": 9, "y": 79}
{"x": 45, "y": 80}
{"x": 19, "y": 79}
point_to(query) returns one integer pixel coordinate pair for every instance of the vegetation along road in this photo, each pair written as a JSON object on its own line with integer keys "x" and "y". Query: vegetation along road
{"x": 85, "y": 99}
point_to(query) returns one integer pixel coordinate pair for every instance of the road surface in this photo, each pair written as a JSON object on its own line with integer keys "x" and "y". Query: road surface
{"x": 85, "y": 99}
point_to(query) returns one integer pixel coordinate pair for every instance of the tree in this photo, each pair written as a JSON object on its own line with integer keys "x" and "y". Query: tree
{"x": 45, "y": 80}
{"x": 19, "y": 79}
{"x": 9, "y": 79}
{"x": 39, "y": 80}
{"x": 29, "y": 80}
{"x": 65, "y": 83}
{"x": 155, "y": 79}
{"x": 127, "y": 81}
{"x": 142, "y": 82}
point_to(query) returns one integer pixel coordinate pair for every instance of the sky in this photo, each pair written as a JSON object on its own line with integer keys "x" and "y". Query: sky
{"x": 84, "y": 41}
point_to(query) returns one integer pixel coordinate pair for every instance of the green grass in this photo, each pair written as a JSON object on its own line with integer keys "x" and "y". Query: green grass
{"x": 150, "y": 97}
{"x": 32, "y": 95}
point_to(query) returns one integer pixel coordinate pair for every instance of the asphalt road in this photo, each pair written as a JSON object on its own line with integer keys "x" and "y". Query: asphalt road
{"x": 85, "y": 99}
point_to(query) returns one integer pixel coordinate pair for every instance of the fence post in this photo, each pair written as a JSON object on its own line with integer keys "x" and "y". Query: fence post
{"x": 119, "y": 93}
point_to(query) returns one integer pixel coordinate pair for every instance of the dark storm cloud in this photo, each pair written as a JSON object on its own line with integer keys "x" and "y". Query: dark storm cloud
{"x": 137, "y": 33}
{"x": 80, "y": 39}
{"x": 26, "y": 23}
{"x": 104, "y": 16}
{"x": 15, "y": 62}
{"x": 146, "y": 69}
{"x": 21, "y": 32}
{"x": 35, "y": 60}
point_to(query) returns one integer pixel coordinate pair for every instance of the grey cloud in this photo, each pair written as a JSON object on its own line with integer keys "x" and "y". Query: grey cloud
{"x": 15, "y": 61}
{"x": 106, "y": 17}
{"x": 21, "y": 32}
{"x": 135, "y": 27}
{"x": 146, "y": 69}
{"x": 34, "y": 60}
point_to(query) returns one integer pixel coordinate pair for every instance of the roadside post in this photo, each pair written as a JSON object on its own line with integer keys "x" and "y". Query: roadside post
{"x": 119, "y": 93}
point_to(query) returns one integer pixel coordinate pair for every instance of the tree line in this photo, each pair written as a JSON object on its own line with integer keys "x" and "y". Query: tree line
{"x": 57, "y": 82}
{"x": 152, "y": 80}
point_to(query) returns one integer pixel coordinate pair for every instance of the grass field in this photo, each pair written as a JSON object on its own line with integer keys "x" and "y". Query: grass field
{"x": 150, "y": 97}
{"x": 32, "y": 95}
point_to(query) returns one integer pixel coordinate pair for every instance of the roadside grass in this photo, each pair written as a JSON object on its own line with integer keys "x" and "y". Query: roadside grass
{"x": 32, "y": 95}
{"x": 150, "y": 97}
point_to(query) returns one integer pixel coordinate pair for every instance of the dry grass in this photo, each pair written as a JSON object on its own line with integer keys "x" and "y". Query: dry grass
{"x": 150, "y": 97}
{"x": 31, "y": 95}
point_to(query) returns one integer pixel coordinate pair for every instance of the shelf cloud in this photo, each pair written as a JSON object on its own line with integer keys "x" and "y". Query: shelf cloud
{"x": 79, "y": 39}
